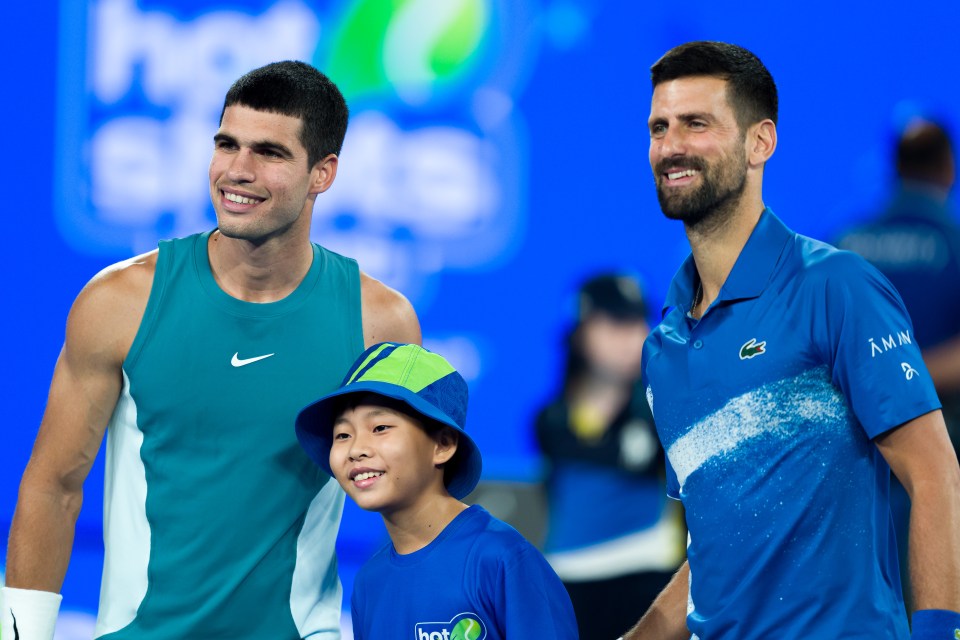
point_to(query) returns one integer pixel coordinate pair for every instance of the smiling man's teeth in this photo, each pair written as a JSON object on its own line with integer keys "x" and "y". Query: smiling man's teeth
{"x": 232, "y": 197}
{"x": 681, "y": 174}
{"x": 367, "y": 475}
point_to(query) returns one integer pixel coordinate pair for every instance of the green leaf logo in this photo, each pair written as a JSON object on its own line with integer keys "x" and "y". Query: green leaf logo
{"x": 410, "y": 48}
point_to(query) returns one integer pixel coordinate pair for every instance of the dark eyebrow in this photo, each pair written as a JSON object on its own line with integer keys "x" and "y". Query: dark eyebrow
{"x": 382, "y": 411}
{"x": 688, "y": 117}
{"x": 685, "y": 117}
{"x": 375, "y": 412}
{"x": 259, "y": 146}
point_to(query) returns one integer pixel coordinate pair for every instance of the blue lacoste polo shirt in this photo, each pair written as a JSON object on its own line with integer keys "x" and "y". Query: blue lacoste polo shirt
{"x": 766, "y": 408}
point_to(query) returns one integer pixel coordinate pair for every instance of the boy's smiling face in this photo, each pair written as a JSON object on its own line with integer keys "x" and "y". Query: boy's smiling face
{"x": 386, "y": 460}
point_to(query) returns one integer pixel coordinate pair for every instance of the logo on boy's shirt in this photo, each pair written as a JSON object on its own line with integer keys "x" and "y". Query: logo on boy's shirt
{"x": 463, "y": 626}
{"x": 752, "y": 348}
{"x": 889, "y": 342}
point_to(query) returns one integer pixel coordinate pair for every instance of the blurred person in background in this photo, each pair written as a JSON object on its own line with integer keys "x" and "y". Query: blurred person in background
{"x": 613, "y": 537}
{"x": 915, "y": 242}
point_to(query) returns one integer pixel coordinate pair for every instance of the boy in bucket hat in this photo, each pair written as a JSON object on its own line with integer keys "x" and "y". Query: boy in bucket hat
{"x": 393, "y": 436}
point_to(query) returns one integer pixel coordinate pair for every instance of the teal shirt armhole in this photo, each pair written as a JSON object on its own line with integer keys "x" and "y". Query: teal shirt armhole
{"x": 165, "y": 259}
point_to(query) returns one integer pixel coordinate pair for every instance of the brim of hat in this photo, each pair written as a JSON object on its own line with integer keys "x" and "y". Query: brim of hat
{"x": 314, "y": 427}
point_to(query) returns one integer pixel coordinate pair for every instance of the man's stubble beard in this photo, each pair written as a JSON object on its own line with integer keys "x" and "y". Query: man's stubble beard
{"x": 713, "y": 203}
{"x": 258, "y": 230}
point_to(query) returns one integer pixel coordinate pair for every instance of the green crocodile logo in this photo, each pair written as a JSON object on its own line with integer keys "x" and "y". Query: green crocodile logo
{"x": 752, "y": 348}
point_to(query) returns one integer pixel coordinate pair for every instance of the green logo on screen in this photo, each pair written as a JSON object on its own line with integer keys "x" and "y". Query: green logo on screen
{"x": 463, "y": 626}
{"x": 412, "y": 48}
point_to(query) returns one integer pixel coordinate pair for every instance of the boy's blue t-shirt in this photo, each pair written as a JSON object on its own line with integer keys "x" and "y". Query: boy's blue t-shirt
{"x": 478, "y": 580}
{"x": 766, "y": 408}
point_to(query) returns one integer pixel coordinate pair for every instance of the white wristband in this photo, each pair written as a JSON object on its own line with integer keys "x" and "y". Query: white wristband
{"x": 29, "y": 614}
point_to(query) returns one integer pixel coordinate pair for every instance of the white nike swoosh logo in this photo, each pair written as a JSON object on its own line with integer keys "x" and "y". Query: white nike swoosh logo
{"x": 237, "y": 361}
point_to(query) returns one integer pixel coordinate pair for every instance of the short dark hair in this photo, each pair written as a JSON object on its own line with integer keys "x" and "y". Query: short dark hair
{"x": 924, "y": 150}
{"x": 751, "y": 90}
{"x": 294, "y": 88}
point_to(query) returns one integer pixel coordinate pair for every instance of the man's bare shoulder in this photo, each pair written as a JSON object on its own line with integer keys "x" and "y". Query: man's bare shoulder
{"x": 387, "y": 314}
{"x": 132, "y": 272}
{"x": 108, "y": 310}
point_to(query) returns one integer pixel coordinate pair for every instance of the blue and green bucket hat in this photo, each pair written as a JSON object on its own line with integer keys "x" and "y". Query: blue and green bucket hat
{"x": 419, "y": 378}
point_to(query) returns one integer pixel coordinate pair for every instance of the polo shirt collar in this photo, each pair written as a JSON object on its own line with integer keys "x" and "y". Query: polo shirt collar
{"x": 751, "y": 272}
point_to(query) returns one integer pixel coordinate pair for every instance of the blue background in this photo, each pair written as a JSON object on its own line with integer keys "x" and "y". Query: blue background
{"x": 849, "y": 75}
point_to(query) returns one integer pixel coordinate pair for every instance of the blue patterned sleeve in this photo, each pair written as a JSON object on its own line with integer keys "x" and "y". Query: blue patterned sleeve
{"x": 865, "y": 335}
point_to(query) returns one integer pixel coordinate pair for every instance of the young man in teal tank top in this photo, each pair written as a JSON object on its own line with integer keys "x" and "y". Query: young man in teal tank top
{"x": 216, "y": 524}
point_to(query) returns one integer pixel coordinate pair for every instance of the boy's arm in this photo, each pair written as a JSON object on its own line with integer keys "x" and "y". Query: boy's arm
{"x": 666, "y": 619}
{"x": 920, "y": 454}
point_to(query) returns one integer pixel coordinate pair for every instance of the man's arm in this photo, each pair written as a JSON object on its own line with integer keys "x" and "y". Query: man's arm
{"x": 666, "y": 619}
{"x": 920, "y": 454}
{"x": 387, "y": 315}
{"x": 84, "y": 390}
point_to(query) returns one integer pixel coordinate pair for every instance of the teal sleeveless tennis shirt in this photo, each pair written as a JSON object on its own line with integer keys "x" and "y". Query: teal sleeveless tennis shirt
{"x": 216, "y": 524}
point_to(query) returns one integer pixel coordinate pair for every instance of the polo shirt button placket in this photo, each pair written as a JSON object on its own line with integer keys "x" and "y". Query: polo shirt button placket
{"x": 698, "y": 344}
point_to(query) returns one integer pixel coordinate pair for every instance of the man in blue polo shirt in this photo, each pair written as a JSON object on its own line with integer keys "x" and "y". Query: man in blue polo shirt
{"x": 786, "y": 383}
